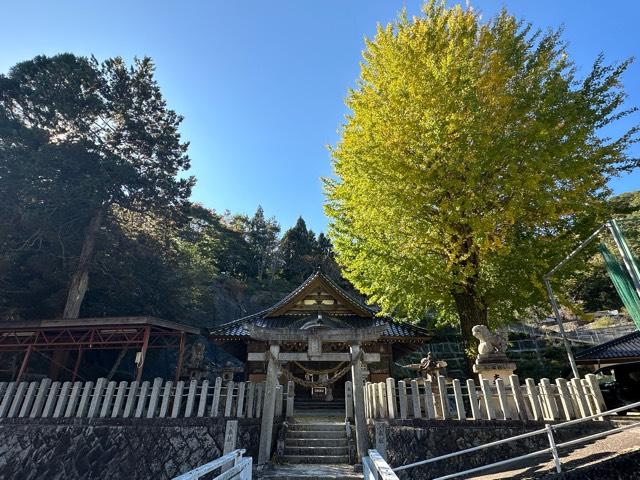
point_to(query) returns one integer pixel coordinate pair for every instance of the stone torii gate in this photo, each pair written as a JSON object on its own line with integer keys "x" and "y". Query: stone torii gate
{"x": 314, "y": 333}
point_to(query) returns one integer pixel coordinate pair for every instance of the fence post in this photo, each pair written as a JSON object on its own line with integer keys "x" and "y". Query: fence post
{"x": 117, "y": 405}
{"x": 429, "y": 406}
{"x": 457, "y": 392}
{"x": 155, "y": 395}
{"x": 591, "y": 402}
{"x": 348, "y": 401}
{"x": 62, "y": 400}
{"x": 579, "y": 393}
{"x": 402, "y": 399}
{"x": 97, "y": 396}
{"x": 166, "y": 397}
{"x": 488, "y": 399}
{"x": 476, "y": 414}
{"x": 47, "y": 411}
{"x": 415, "y": 399}
{"x": 43, "y": 392}
{"x": 131, "y": 398}
{"x": 565, "y": 398}
{"x": 592, "y": 381}
{"x": 84, "y": 399}
{"x": 28, "y": 400}
{"x": 108, "y": 396}
{"x": 250, "y": 396}
{"x": 17, "y": 399}
{"x": 259, "y": 390}
{"x": 444, "y": 398}
{"x": 177, "y": 399}
{"x": 552, "y": 407}
{"x": 373, "y": 398}
{"x": 384, "y": 406}
{"x": 7, "y": 399}
{"x": 277, "y": 412}
{"x": 391, "y": 397}
{"x": 142, "y": 399}
{"x": 502, "y": 399}
{"x": 534, "y": 399}
{"x": 215, "y": 404}
{"x": 228, "y": 404}
{"x": 518, "y": 399}
{"x": 291, "y": 397}
{"x": 202, "y": 401}
{"x": 191, "y": 397}
{"x": 73, "y": 399}
{"x": 240, "y": 408}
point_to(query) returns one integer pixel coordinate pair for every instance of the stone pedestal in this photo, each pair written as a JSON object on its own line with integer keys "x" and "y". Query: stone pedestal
{"x": 490, "y": 366}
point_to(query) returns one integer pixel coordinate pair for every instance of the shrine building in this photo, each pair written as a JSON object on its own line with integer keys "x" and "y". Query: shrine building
{"x": 315, "y": 330}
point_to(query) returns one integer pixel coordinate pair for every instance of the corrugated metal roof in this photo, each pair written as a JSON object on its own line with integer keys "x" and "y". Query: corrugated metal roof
{"x": 623, "y": 347}
{"x": 394, "y": 328}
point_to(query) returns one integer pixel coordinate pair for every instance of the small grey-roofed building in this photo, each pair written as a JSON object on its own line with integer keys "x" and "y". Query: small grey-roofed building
{"x": 620, "y": 350}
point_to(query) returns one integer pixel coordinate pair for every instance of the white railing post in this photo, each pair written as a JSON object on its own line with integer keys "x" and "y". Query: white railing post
{"x": 554, "y": 450}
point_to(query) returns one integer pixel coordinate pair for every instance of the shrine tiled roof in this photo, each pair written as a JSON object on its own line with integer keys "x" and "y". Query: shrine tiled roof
{"x": 394, "y": 329}
{"x": 307, "y": 301}
{"x": 623, "y": 348}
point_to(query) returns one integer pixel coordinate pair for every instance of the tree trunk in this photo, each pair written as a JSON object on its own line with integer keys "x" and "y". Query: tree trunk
{"x": 117, "y": 363}
{"x": 80, "y": 278}
{"x": 471, "y": 311}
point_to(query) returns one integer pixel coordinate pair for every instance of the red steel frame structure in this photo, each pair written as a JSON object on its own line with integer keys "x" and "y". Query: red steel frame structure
{"x": 107, "y": 333}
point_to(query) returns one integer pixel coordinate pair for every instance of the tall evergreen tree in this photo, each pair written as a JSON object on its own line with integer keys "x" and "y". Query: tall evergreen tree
{"x": 297, "y": 252}
{"x": 263, "y": 241}
{"x": 101, "y": 136}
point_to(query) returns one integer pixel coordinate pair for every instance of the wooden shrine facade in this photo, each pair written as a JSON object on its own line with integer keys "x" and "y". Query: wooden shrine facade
{"x": 318, "y": 337}
{"x": 315, "y": 324}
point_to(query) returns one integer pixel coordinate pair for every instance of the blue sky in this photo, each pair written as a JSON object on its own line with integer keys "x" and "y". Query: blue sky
{"x": 262, "y": 84}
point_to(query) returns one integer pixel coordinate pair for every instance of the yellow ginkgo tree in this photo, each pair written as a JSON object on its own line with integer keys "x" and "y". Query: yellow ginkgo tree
{"x": 471, "y": 161}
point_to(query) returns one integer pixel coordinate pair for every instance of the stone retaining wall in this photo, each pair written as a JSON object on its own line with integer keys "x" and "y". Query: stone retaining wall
{"x": 131, "y": 448}
{"x": 410, "y": 441}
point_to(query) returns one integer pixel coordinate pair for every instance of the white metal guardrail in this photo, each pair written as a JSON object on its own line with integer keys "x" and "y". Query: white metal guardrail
{"x": 548, "y": 430}
{"x": 233, "y": 466}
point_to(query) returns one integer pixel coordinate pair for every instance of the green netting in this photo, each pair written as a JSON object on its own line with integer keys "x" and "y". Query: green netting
{"x": 623, "y": 284}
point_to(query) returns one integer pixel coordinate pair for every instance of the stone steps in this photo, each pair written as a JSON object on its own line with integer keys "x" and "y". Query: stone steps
{"x": 302, "y": 434}
{"x": 316, "y": 444}
{"x": 310, "y": 472}
{"x": 316, "y": 427}
{"x": 320, "y": 451}
{"x": 316, "y": 459}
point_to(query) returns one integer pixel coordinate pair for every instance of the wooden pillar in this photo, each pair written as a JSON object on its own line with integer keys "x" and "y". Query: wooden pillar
{"x": 362, "y": 436}
{"x": 269, "y": 406}
{"x": 25, "y": 363}
{"x": 180, "y": 357}
{"x": 143, "y": 353}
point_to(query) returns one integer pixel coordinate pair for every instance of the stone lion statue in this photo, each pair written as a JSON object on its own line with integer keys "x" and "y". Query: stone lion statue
{"x": 489, "y": 342}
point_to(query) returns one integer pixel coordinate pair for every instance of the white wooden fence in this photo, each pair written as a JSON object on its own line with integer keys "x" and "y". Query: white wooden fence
{"x": 156, "y": 399}
{"x": 420, "y": 398}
